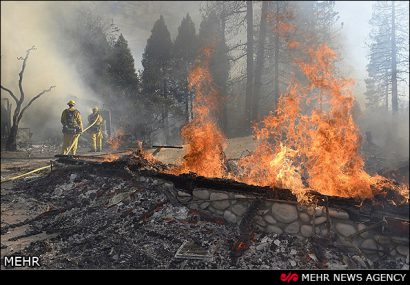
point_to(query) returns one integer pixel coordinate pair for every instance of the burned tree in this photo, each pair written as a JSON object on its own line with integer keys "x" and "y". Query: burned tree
{"x": 249, "y": 60}
{"x": 19, "y": 111}
{"x": 259, "y": 62}
{"x": 388, "y": 55}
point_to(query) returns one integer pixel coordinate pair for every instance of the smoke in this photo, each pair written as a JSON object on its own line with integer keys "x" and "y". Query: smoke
{"x": 136, "y": 19}
{"x": 390, "y": 135}
{"x": 24, "y": 24}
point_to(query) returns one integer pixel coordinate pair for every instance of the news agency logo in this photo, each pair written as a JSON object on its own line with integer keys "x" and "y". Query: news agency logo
{"x": 294, "y": 277}
{"x": 21, "y": 261}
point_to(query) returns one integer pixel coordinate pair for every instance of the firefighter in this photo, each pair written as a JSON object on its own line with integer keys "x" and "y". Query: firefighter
{"x": 95, "y": 130}
{"x": 72, "y": 127}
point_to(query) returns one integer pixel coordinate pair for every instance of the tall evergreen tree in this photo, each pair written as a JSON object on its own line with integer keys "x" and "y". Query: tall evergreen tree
{"x": 260, "y": 58}
{"x": 156, "y": 58}
{"x": 122, "y": 69}
{"x": 184, "y": 52}
{"x": 156, "y": 61}
{"x": 325, "y": 19}
{"x": 123, "y": 81}
{"x": 186, "y": 43}
{"x": 379, "y": 68}
{"x": 249, "y": 61}
{"x": 388, "y": 59}
{"x": 211, "y": 35}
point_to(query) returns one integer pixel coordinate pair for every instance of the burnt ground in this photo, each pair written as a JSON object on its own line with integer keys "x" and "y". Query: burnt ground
{"x": 75, "y": 219}
{"x": 67, "y": 220}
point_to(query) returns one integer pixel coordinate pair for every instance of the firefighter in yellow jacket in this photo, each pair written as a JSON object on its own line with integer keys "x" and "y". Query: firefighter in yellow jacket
{"x": 95, "y": 130}
{"x": 72, "y": 127}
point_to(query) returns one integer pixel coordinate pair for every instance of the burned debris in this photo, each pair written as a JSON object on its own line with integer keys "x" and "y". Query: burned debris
{"x": 129, "y": 214}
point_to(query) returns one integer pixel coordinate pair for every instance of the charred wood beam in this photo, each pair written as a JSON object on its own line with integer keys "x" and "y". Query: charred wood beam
{"x": 167, "y": 146}
{"x": 358, "y": 209}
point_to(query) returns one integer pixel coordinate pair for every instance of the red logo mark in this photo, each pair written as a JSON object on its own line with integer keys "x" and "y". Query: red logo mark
{"x": 289, "y": 277}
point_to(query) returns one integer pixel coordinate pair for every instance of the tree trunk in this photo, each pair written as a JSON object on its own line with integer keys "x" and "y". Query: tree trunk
{"x": 11, "y": 144}
{"x": 276, "y": 60}
{"x": 394, "y": 98}
{"x": 249, "y": 62}
{"x": 165, "y": 113}
{"x": 186, "y": 94}
{"x": 387, "y": 97}
{"x": 259, "y": 62}
{"x": 224, "y": 115}
{"x": 191, "y": 100}
{"x": 186, "y": 107}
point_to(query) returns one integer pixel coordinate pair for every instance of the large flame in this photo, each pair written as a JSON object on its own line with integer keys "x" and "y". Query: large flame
{"x": 311, "y": 142}
{"x": 205, "y": 142}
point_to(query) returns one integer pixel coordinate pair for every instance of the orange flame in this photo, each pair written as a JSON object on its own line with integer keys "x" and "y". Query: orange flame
{"x": 146, "y": 155}
{"x": 312, "y": 150}
{"x": 115, "y": 140}
{"x": 311, "y": 142}
{"x": 205, "y": 141}
{"x": 110, "y": 157}
{"x": 292, "y": 44}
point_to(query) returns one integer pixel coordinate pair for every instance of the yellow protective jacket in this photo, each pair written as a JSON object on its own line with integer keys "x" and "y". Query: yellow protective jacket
{"x": 77, "y": 118}
{"x": 98, "y": 124}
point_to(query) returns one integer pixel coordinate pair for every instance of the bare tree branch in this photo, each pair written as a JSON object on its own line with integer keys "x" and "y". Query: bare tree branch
{"x": 11, "y": 93}
{"x": 23, "y": 67}
{"x": 33, "y": 99}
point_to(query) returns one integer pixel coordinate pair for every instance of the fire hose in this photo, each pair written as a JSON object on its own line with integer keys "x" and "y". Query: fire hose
{"x": 49, "y": 166}
{"x": 25, "y": 174}
{"x": 77, "y": 136}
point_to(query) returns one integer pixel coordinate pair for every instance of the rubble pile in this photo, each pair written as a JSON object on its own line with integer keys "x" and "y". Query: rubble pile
{"x": 109, "y": 221}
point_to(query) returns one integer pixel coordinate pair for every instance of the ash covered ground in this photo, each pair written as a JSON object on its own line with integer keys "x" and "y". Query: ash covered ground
{"x": 75, "y": 219}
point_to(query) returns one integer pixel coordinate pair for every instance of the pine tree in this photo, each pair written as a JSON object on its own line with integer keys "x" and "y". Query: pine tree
{"x": 379, "y": 68}
{"x": 156, "y": 61}
{"x": 184, "y": 52}
{"x": 388, "y": 58}
{"x": 325, "y": 22}
{"x": 211, "y": 36}
{"x": 122, "y": 69}
{"x": 186, "y": 43}
{"x": 156, "y": 57}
